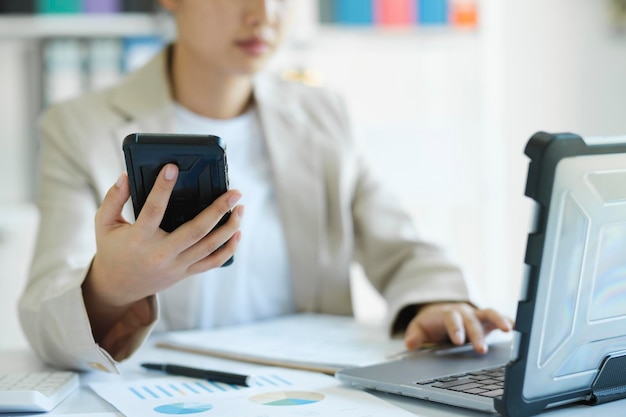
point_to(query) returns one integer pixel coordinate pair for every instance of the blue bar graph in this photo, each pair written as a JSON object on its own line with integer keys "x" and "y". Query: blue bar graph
{"x": 191, "y": 388}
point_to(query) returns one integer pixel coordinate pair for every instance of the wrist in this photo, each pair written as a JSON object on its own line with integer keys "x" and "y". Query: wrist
{"x": 97, "y": 289}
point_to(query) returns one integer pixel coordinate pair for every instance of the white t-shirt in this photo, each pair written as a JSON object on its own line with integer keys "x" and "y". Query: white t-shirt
{"x": 257, "y": 285}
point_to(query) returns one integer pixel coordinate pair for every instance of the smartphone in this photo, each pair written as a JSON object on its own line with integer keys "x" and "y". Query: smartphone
{"x": 202, "y": 177}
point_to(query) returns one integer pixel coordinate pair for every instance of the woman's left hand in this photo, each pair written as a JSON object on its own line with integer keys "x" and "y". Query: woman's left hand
{"x": 455, "y": 322}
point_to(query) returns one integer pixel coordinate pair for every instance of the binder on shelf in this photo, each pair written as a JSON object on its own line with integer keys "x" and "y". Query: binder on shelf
{"x": 138, "y": 6}
{"x": 102, "y": 6}
{"x": 59, "y": 6}
{"x": 432, "y": 12}
{"x": 64, "y": 77}
{"x": 17, "y": 6}
{"x": 394, "y": 12}
{"x": 354, "y": 12}
{"x": 326, "y": 11}
{"x": 464, "y": 13}
{"x": 104, "y": 63}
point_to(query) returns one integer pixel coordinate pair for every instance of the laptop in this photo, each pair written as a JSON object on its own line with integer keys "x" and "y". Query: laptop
{"x": 569, "y": 341}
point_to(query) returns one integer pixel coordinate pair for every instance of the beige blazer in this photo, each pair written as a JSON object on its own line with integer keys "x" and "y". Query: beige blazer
{"x": 334, "y": 211}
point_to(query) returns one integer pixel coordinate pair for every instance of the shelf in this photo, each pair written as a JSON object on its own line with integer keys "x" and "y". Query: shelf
{"x": 160, "y": 24}
{"x": 84, "y": 26}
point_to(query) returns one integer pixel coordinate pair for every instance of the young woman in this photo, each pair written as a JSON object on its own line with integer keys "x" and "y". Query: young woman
{"x": 312, "y": 207}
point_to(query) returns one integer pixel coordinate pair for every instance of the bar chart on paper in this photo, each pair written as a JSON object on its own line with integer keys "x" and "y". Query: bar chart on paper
{"x": 276, "y": 392}
{"x": 187, "y": 387}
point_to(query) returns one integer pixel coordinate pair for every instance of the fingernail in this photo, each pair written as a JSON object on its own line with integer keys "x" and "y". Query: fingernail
{"x": 239, "y": 212}
{"x": 410, "y": 344}
{"x": 170, "y": 172}
{"x": 459, "y": 336}
{"x": 120, "y": 180}
{"x": 232, "y": 200}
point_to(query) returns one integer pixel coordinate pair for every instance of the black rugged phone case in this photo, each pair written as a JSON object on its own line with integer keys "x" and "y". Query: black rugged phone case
{"x": 202, "y": 178}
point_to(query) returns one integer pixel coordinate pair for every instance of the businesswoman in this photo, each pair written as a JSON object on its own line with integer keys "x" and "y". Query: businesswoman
{"x": 312, "y": 207}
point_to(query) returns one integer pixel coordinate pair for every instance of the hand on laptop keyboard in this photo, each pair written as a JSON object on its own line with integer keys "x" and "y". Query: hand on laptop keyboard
{"x": 455, "y": 322}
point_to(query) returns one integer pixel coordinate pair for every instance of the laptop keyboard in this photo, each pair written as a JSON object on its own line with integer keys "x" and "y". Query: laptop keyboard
{"x": 485, "y": 382}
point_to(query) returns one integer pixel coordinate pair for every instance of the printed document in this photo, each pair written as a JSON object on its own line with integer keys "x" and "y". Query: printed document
{"x": 276, "y": 392}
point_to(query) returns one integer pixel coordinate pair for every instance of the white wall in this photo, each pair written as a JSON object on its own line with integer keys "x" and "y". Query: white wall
{"x": 18, "y": 217}
{"x": 16, "y": 125}
{"x": 18, "y": 224}
{"x": 564, "y": 70}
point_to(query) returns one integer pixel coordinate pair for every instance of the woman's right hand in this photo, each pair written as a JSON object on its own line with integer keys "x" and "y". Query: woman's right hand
{"x": 135, "y": 261}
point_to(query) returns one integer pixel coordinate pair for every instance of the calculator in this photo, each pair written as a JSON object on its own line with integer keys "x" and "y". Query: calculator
{"x": 35, "y": 391}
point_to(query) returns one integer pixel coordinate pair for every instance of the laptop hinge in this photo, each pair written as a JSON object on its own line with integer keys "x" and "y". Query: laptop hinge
{"x": 610, "y": 382}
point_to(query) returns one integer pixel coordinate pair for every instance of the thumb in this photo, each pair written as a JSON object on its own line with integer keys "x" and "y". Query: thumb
{"x": 110, "y": 211}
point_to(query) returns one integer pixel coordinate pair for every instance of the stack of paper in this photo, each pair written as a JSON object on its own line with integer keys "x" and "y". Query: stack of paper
{"x": 316, "y": 342}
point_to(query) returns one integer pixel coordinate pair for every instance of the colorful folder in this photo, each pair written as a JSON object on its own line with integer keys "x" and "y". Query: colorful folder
{"x": 102, "y": 6}
{"x": 59, "y": 6}
{"x": 432, "y": 12}
{"x": 354, "y": 12}
{"x": 395, "y": 12}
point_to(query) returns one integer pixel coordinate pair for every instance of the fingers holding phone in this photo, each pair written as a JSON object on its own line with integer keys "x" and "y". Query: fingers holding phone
{"x": 179, "y": 190}
{"x": 156, "y": 203}
{"x": 131, "y": 263}
{"x": 213, "y": 243}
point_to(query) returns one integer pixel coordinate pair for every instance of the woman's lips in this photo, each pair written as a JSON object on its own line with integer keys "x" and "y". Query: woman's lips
{"x": 253, "y": 46}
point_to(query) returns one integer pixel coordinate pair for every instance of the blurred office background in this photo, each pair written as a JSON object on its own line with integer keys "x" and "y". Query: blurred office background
{"x": 444, "y": 94}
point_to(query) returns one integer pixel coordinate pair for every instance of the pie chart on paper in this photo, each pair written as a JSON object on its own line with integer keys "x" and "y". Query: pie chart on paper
{"x": 287, "y": 398}
{"x": 183, "y": 408}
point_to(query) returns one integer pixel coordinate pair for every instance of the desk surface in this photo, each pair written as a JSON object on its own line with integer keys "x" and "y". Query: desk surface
{"x": 85, "y": 402}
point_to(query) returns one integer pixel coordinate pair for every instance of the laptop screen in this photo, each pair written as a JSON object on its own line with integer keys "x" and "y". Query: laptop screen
{"x": 574, "y": 312}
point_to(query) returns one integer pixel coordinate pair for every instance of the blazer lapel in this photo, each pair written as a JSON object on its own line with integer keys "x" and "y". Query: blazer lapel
{"x": 297, "y": 169}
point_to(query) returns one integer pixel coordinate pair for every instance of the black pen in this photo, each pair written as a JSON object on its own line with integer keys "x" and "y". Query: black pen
{"x": 217, "y": 376}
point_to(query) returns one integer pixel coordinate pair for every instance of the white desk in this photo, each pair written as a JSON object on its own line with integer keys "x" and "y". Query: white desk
{"x": 84, "y": 402}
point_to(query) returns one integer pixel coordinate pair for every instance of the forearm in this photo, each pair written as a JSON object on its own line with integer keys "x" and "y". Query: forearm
{"x": 124, "y": 335}
{"x": 113, "y": 326}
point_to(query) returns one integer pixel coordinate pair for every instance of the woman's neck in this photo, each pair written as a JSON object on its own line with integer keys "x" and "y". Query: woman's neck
{"x": 208, "y": 93}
